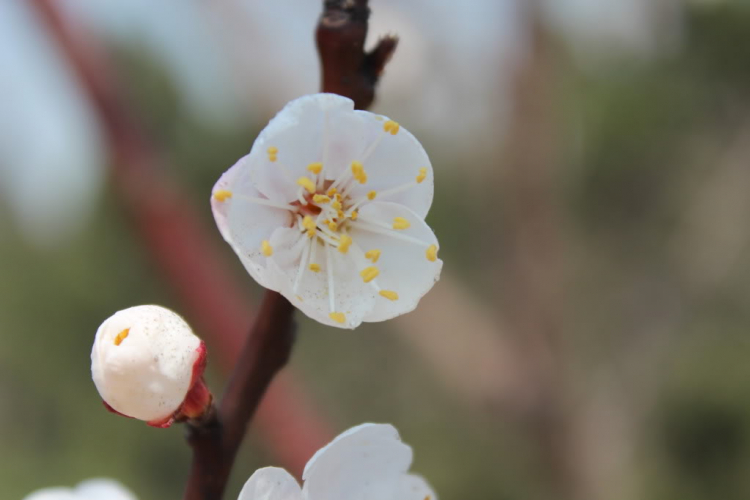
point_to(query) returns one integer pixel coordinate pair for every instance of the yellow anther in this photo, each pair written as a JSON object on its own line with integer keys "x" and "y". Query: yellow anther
{"x": 340, "y": 214}
{"x": 315, "y": 267}
{"x": 336, "y": 205}
{"x": 401, "y": 223}
{"x": 344, "y": 243}
{"x": 391, "y": 126}
{"x": 315, "y": 167}
{"x": 122, "y": 336}
{"x": 373, "y": 255}
{"x": 332, "y": 225}
{"x": 354, "y": 215}
{"x": 358, "y": 170}
{"x": 337, "y": 317}
{"x": 222, "y": 195}
{"x": 272, "y": 153}
{"x": 332, "y": 192}
{"x": 265, "y": 247}
{"x": 431, "y": 253}
{"x": 422, "y": 175}
{"x": 388, "y": 294}
{"x": 371, "y": 195}
{"x": 311, "y": 233}
{"x": 369, "y": 273}
{"x": 308, "y": 223}
{"x": 307, "y": 183}
{"x": 321, "y": 198}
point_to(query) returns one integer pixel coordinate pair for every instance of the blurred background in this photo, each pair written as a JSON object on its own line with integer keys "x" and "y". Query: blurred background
{"x": 589, "y": 337}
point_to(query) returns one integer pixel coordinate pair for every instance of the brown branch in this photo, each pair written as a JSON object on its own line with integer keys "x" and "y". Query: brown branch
{"x": 346, "y": 68}
{"x": 215, "y": 440}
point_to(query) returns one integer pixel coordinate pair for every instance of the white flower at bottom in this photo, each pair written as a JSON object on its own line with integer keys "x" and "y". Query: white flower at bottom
{"x": 367, "y": 462}
{"x": 147, "y": 364}
{"x": 92, "y": 489}
{"x": 328, "y": 209}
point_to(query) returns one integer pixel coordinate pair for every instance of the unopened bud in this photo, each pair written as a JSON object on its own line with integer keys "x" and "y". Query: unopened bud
{"x": 147, "y": 364}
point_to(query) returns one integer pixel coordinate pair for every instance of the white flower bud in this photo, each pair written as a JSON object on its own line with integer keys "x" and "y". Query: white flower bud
{"x": 147, "y": 364}
{"x": 91, "y": 489}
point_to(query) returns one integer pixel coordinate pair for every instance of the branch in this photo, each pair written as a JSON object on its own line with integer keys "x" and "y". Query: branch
{"x": 216, "y": 439}
{"x": 347, "y": 69}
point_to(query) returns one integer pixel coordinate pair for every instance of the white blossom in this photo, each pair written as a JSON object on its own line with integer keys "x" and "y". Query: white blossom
{"x": 145, "y": 363}
{"x": 92, "y": 489}
{"x": 328, "y": 209}
{"x": 367, "y": 462}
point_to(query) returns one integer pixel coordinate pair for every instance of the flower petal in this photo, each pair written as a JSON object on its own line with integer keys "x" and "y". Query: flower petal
{"x": 52, "y": 494}
{"x": 271, "y": 483}
{"x": 297, "y": 135}
{"x": 364, "y": 463}
{"x": 414, "y": 487}
{"x": 245, "y": 223}
{"x": 396, "y": 161}
{"x": 404, "y": 267}
{"x": 102, "y": 489}
{"x": 352, "y": 296}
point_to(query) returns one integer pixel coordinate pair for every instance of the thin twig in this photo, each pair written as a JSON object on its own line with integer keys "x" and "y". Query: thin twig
{"x": 346, "y": 68}
{"x": 215, "y": 441}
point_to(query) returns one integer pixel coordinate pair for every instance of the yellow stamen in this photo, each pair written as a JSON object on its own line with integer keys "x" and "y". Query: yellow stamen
{"x": 431, "y": 253}
{"x": 122, "y": 336}
{"x": 391, "y": 126}
{"x": 332, "y": 191}
{"x": 422, "y": 175}
{"x": 354, "y": 215}
{"x": 321, "y": 198}
{"x": 315, "y": 268}
{"x": 265, "y": 247}
{"x": 358, "y": 170}
{"x": 401, "y": 223}
{"x": 337, "y": 317}
{"x": 308, "y": 222}
{"x": 373, "y": 255}
{"x": 340, "y": 214}
{"x": 344, "y": 243}
{"x": 332, "y": 225}
{"x": 315, "y": 167}
{"x": 222, "y": 195}
{"x": 272, "y": 151}
{"x": 371, "y": 195}
{"x": 388, "y": 294}
{"x": 307, "y": 183}
{"x": 369, "y": 273}
{"x": 336, "y": 205}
